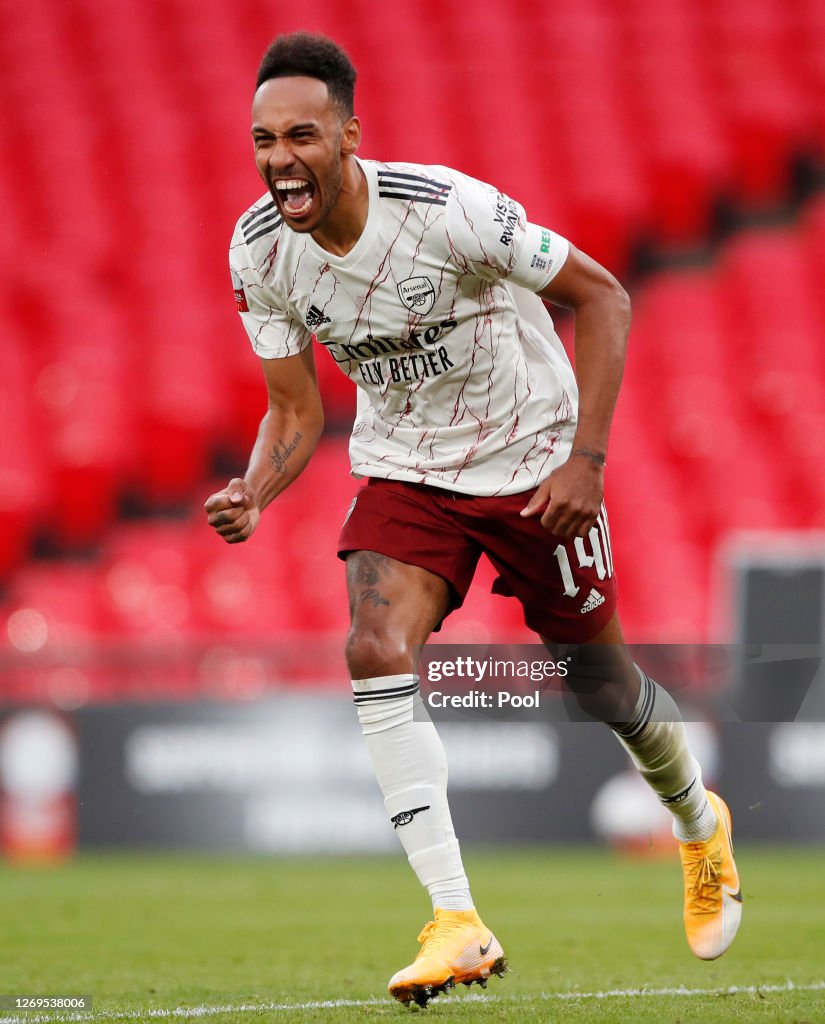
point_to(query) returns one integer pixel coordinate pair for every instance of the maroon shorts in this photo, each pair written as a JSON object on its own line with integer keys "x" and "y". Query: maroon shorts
{"x": 566, "y": 587}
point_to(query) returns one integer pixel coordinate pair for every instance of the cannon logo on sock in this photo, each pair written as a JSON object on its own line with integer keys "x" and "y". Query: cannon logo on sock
{"x": 679, "y": 796}
{"x": 405, "y": 817}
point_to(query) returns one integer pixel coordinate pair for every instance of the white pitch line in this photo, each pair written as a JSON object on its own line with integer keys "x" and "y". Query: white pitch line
{"x": 190, "y": 1012}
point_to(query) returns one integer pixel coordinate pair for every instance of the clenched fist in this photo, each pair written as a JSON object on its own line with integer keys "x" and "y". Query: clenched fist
{"x": 233, "y": 512}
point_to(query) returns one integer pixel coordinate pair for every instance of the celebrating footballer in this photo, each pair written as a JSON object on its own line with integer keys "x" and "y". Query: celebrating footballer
{"x": 475, "y": 436}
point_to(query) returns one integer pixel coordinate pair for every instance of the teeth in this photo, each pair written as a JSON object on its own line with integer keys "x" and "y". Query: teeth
{"x": 283, "y": 186}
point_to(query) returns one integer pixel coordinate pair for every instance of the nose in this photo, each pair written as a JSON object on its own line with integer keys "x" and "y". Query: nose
{"x": 281, "y": 156}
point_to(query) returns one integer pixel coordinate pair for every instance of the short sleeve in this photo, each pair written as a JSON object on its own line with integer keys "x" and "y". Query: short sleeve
{"x": 490, "y": 237}
{"x": 272, "y": 331}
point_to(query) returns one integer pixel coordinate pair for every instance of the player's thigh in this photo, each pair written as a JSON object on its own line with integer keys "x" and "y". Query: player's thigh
{"x": 566, "y": 586}
{"x": 394, "y": 607}
{"x": 611, "y": 633}
{"x": 386, "y": 592}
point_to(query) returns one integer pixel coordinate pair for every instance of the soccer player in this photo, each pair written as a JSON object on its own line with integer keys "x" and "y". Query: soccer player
{"x": 425, "y": 287}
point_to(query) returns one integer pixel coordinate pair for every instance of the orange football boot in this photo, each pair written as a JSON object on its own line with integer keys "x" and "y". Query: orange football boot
{"x": 713, "y": 897}
{"x": 456, "y": 948}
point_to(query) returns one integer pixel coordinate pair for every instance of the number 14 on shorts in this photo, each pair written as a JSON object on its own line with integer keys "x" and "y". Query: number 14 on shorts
{"x": 601, "y": 556}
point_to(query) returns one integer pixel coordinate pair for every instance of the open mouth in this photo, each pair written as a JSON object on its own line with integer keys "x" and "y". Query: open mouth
{"x": 295, "y": 195}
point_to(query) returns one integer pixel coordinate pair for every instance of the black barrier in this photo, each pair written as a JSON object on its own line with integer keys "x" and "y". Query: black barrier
{"x": 530, "y": 682}
{"x": 291, "y": 775}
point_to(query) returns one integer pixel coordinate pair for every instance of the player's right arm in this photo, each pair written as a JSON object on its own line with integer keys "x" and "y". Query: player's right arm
{"x": 287, "y": 437}
{"x": 294, "y": 419}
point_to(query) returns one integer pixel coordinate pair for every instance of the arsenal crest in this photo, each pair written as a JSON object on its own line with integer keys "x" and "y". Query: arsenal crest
{"x": 417, "y": 294}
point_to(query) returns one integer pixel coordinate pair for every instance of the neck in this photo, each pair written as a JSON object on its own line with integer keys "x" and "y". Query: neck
{"x": 347, "y": 220}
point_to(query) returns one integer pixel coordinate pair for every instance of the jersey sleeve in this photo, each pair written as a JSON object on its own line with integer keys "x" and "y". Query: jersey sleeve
{"x": 490, "y": 237}
{"x": 272, "y": 331}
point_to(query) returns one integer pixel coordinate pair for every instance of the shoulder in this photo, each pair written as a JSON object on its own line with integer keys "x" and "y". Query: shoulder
{"x": 414, "y": 183}
{"x": 424, "y": 185}
{"x": 256, "y": 233}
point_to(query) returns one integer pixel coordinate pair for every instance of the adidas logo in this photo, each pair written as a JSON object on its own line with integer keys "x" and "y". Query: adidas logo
{"x": 594, "y": 599}
{"x": 315, "y": 317}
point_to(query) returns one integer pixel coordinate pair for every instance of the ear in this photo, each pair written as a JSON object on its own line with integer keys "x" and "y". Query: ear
{"x": 350, "y": 137}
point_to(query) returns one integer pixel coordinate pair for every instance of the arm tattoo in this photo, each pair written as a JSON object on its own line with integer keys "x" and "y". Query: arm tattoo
{"x": 374, "y": 596}
{"x": 282, "y": 451}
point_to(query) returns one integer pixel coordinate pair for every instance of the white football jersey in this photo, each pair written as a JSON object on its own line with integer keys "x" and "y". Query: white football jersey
{"x": 463, "y": 382}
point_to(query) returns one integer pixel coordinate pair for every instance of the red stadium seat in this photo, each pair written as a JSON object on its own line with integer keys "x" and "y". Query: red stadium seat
{"x": 813, "y": 231}
{"x": 85, "y": 423}
{"x": 808, "y": 48}
{"x": 25, "y": 485}
{"x": 181, "y": 412}
{"x": 52, "y": 637}
{"x": 147, "y": 581}
{"x": 757, "y": 88}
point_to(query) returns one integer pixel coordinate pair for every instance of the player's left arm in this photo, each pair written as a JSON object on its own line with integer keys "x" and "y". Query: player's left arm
{"x": 570, "y": 498}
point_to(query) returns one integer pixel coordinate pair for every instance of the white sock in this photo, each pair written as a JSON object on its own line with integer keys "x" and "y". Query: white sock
{"x": 657, "y": 743}
{"x": 411, "y": 768}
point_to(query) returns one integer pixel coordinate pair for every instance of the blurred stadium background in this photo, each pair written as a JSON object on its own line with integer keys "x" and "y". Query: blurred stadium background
{"x": 680, "y": 142}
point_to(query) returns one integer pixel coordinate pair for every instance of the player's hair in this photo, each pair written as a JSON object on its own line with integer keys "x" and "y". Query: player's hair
{"x": 302, "y": 53}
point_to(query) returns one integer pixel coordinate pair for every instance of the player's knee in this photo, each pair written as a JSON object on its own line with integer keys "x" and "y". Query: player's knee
{"x": 603, "y": 680}
{"x": 371, "y": 653}
{"x": 607, "y": 699}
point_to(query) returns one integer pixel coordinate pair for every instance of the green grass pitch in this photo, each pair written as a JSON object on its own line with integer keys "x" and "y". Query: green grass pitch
{"x": 251, "y": 940}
